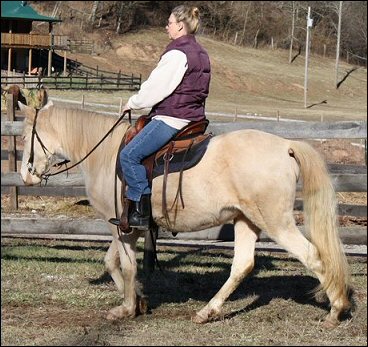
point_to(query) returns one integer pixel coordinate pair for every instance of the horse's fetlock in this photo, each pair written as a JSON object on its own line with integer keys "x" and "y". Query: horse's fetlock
{"x": 330, "y": 322}
{"x": 121, "y": 312}
{"x": 213, "y": 313}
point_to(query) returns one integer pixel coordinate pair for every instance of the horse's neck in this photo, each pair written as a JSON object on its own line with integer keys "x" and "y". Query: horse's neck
{"x": 81, "y": 132}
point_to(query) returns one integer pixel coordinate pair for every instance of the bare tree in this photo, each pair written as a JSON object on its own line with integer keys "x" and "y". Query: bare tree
{"x": 93, "y": 11}
{"x": 292, "y": 31}
{"x": 338, "y": 46}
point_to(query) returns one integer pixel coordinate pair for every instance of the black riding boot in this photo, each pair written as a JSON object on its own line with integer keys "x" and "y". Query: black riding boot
{"x": 140, "y": 213}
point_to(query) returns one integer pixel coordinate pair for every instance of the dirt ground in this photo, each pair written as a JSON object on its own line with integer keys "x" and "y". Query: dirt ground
{"x": 56, "y": 293}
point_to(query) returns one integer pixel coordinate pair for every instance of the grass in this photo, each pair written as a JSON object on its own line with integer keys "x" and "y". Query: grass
{"x": 54, "y": 293}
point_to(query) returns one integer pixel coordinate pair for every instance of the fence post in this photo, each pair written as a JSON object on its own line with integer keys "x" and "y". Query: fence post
{"x": 121, "y": 106}
{"x": 119, "y": 78}
{"x": 87, "y": 80}
{"x": 236, "y": 114}
{"x": 12, "y": 151}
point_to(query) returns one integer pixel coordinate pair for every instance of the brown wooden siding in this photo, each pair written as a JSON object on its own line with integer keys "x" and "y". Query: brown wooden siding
{"x": 33, "y": 41}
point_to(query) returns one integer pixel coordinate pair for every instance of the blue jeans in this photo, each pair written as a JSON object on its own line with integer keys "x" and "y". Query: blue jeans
{"x": 149, "y": 140}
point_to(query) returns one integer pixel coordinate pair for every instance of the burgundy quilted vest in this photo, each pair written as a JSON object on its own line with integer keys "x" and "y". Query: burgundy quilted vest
{"x": 188, "y": 99}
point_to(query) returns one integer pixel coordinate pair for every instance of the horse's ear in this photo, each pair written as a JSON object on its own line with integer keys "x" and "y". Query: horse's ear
{"x": 25, "y": 92}
{"x": 48, "y": 105}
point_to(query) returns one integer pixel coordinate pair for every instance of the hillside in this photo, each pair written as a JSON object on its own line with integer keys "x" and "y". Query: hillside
{"x": 245, "y": 80}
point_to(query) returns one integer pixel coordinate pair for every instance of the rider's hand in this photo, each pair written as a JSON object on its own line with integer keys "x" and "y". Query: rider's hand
{"x": 126, "y": 108}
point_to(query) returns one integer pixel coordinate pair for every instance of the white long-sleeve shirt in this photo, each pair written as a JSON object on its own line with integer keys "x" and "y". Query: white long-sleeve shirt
{"x": 162, "y": 81}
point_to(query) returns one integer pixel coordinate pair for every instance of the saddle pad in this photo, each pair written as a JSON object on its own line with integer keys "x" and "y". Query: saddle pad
{"x": 182, "y": 160}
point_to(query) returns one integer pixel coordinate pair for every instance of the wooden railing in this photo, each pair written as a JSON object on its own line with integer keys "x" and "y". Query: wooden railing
{"x": 33, "y": 40}
{"x": 119, "y": 82}
{"x": 345, "y": 178}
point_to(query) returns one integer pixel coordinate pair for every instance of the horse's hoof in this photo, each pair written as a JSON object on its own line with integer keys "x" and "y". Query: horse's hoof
{"x": 118, "y": 313}
{"x": 199, "y": 319}
{"x": 329, "y": 323}
{"x": 113, "y": 314}
{"x": 142, "y": 305}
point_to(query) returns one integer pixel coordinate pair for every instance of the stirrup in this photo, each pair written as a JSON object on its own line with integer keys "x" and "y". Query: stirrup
{"x": 115, "y": 221}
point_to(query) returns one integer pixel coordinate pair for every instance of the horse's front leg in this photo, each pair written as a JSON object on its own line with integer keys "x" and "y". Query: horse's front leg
{"x": 244, "y": 245}
{"x": 112, "y": 265}
{"x": 126, "y": 246}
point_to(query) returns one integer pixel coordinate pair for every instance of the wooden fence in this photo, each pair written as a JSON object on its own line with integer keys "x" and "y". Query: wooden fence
{"x": 87, "y": 82}
{"x": 346, "y": 178}
{"x": 81, "y": 46}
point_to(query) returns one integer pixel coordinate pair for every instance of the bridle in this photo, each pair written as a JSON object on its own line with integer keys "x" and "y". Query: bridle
{"x": 46, "y": 175}
{"x": 48, "y": 154}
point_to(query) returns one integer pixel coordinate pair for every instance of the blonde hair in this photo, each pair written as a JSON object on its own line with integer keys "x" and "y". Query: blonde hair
{"x": 189, "y": 16}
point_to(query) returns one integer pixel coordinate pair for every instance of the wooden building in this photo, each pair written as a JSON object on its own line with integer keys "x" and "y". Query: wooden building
{"x": 20, "y": 48}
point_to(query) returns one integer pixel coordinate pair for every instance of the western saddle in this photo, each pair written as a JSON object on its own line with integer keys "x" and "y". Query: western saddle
{"x": 191, "y": 139}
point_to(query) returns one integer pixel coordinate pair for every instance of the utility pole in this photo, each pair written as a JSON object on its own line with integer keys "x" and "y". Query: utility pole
{"x": 338, "y": 46}
{"x": 309, "y": 26}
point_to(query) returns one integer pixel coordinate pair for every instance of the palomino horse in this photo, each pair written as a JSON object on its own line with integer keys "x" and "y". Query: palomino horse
{"x": 253, "y": 184}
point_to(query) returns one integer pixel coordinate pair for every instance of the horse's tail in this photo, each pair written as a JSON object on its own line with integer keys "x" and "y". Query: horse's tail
{"x": 320, "y": 214}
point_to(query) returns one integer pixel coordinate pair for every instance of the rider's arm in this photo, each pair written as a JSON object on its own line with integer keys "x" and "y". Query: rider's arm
{"x": 162, "y": 81}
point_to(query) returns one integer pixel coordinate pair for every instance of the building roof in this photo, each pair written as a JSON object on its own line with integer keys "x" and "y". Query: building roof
{"x": 20, "y": 10}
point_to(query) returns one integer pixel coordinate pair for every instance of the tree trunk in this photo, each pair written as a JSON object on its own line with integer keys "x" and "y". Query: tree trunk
{"x": 94, "y": 10}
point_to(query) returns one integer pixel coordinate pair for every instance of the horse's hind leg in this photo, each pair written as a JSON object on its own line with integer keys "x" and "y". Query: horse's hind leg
{"x": 288, "y": 236}
{"x": 244, "y": 245}
{"x": 292, "y": 240}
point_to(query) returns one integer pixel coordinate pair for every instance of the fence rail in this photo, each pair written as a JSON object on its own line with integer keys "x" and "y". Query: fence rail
{"x": 346, "y": 178}
{"x": 100, "y": 82}
{"x": 291, "y": 130}
{"x": 98, "y": 227}
{"x": 81, "y": 46}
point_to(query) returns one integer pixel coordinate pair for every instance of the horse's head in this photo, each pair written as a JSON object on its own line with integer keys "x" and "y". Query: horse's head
{"x": 40, "y": 143}
{"x": 36, "y": 98}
